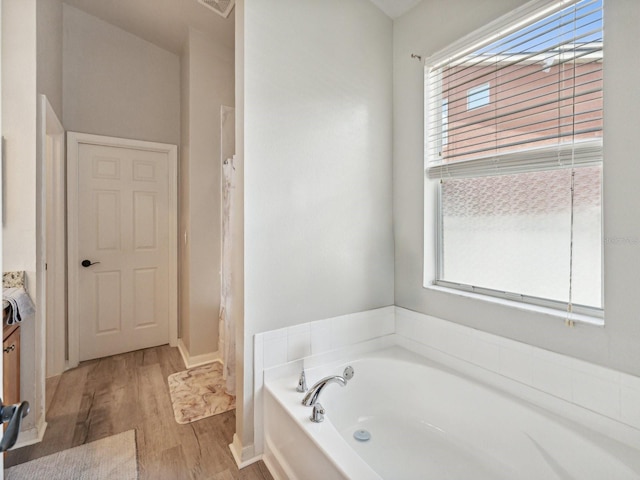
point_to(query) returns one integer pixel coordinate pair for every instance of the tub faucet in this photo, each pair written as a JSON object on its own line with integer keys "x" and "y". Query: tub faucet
{"x": 311, "y": 398}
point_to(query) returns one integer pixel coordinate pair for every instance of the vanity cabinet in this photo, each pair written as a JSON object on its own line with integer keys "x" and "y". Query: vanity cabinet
{"x": 11, "y": 366}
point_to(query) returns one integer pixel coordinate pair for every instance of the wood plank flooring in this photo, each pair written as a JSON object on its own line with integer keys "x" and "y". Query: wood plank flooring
{"x": 130, "y": 391}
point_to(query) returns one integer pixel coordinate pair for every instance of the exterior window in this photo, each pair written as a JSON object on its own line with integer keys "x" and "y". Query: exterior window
{"x": 445, "y": 122}
{"x": 478, "y": 97}
{"x": 520, "y": 179}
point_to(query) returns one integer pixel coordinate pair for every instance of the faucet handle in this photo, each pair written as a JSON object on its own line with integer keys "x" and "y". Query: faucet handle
{"x": 348, "y": 373}
{"x": 302, "y": 383}
{"x": 317, "y": 416}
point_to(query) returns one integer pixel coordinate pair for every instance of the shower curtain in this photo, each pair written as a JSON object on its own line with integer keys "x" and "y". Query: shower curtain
{"x": 227, "y": 323}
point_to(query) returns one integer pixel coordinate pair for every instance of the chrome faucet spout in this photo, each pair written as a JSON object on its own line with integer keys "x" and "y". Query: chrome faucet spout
{"x": 311, "y": 398}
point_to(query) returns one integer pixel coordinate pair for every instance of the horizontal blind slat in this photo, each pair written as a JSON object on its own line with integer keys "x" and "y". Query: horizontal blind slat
{"x": 513, "y": 85}
{"x": 542, "y": 28}
{"x": 481, "y": 118}
{"x": 543, "y": 135}
{"x": 544, "y": 85}
{"x": 522, "y": 57}
{"x": 546, "y": 158}
{"x": 527, "y": 58}
{"x": 541, "y": 139}
{"x": 518, "y": 20}
{"x": 494, "y": 74}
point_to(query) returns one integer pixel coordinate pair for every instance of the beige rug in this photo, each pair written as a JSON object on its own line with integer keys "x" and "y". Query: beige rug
{"x": 199, "y": 393}
{"x": 113, "y": 457}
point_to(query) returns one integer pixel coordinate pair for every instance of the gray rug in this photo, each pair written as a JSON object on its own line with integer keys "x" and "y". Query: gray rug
{"x": 114, "y": 457}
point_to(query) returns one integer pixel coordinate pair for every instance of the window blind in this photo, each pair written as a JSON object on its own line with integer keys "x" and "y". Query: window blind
{"x": 544, "y": 86}
{"x": 514, "y": 128}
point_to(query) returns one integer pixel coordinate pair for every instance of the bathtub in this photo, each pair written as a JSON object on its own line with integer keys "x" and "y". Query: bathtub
{"x": 428, "y": 421}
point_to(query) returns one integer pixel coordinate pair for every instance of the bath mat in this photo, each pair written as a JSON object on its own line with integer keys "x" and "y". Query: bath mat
{"x": 113, "y": 457}
{"x": 198, "y": 393}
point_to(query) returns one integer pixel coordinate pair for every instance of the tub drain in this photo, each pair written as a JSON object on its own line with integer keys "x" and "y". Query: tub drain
{"x": 362, "y": 435}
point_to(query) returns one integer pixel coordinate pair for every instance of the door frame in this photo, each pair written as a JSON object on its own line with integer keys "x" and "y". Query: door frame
{"x": 53, "y": 272}
{"x": 74, "y": 140}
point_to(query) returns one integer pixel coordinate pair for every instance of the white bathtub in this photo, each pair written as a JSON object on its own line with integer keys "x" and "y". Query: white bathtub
{"x": 428, "y": 422}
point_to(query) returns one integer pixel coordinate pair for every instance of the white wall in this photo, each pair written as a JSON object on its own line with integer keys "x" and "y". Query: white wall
{"x": 117, "y": 84}
{"x": 32, "y": 62}
{"x": 49, "y": 52}
{"x": 21, "y": 181}
{"x": 19, "y": 130}
{"x": 434, "y": 24}
{"x": 183, "y": 204}
{"x": 49, "y": 31}
{"x": 237, "y": 257}
{"x": 318, "y": 238}
{"x": 208, "y": 71}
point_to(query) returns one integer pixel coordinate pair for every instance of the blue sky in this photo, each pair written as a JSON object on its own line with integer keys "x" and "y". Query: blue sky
{"x": 555, "y": 29}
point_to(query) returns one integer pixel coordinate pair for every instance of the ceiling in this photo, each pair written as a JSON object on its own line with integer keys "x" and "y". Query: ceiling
{"x": 162, "y": 22}
{"x": 165, "y": 22}
{"x": 395, "y": 8}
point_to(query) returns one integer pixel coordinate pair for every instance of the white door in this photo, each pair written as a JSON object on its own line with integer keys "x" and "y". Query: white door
{"x": 122, "y": 261}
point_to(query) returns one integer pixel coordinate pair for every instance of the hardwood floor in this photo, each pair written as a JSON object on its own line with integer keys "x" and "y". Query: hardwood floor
{"x": 130, "y": 391}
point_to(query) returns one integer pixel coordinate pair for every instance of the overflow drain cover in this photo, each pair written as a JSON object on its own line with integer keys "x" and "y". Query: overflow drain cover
{"x": 362, "y": 435}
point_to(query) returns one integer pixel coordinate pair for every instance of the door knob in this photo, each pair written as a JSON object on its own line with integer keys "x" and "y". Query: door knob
{"x": 87, "y": 263}
{"x": 14, "y": 415}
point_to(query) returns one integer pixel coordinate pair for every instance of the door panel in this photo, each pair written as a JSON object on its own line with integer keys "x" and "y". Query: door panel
{"x": 123, "y": 226}
{"x": 107, "y": 303}
{"x": 107, "y": 215}
{"x": 145, "y": 231}
{"x": 145, "y": 287}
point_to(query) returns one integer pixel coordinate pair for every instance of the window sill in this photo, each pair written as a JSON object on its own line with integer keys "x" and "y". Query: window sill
{"x": 575, "y": 317}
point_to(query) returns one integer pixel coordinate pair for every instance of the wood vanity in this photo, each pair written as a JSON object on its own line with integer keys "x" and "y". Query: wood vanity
{"x": 11, "y": 360}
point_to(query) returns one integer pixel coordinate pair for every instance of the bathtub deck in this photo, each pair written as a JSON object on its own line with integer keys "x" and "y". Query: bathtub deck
{"x": 454, "y": 426}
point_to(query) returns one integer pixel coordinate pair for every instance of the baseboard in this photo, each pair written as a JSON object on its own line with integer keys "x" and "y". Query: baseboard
{"x": 31, "y": 436}
{"x": 243, "y": 456}
{"x": 196, "y": 360}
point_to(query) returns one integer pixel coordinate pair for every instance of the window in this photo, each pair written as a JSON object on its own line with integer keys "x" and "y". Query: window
{"x": 520, "y": 179}
{"x": 478, "y": 96}
{"x": 445, "y": 122}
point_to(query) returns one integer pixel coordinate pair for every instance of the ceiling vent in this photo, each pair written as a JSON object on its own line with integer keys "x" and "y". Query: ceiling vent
{"x": 221, "y": 7}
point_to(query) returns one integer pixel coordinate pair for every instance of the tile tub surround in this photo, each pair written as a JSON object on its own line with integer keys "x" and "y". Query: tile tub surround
{"x": 314, "y": 338}
{"x": 601, "y": 390}
{"x": 541, "y": 373}
{"x": 310, "y": 343}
